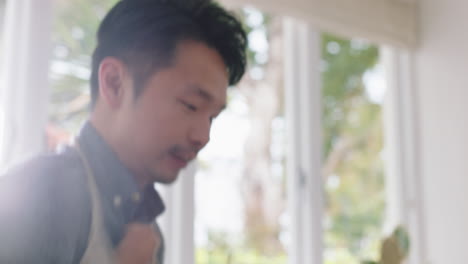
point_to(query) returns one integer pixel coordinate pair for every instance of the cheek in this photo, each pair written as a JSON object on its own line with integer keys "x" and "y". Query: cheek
{"x": 157, "y": 132}
{"x": 159, "y": 125}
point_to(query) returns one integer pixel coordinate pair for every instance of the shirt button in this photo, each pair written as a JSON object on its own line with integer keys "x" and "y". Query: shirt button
{"x": 117, "y": 201}
{"x": 136, "y": 197}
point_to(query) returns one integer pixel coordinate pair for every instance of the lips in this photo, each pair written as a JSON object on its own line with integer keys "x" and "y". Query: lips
{"x": 180, "y": 160}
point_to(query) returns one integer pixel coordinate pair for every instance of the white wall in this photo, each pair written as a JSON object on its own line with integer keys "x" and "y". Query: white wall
{"x": 442, "y": 81}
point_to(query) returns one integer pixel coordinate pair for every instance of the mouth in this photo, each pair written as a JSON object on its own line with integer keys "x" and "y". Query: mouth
{"x": 180, "y": 161}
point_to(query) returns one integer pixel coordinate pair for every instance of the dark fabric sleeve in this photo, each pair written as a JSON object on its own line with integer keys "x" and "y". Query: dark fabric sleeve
{"x": 44, "y": 213}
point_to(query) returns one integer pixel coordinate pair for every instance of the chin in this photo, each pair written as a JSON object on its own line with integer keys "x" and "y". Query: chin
{"x": 165, "y": 178}
{"x": 167, "y": 181}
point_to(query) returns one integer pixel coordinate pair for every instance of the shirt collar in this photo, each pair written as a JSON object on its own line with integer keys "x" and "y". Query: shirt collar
{"x": 115, "y": 182}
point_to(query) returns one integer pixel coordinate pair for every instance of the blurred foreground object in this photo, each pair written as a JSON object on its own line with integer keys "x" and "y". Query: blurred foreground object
{"x": 395, "y": 248}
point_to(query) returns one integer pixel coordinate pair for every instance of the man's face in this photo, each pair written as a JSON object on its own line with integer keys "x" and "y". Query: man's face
{"x": 165, "y": 127}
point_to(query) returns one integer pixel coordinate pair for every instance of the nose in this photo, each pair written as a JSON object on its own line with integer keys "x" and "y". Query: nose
{"x": 199, "y": 134}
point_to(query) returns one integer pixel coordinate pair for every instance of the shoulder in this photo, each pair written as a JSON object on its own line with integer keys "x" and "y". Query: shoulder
{"x": 44, "y": 181}
{"x": 45, "y": 205}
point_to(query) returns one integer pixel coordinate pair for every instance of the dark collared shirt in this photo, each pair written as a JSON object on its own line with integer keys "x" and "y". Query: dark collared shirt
{"x": 45, "y": 207}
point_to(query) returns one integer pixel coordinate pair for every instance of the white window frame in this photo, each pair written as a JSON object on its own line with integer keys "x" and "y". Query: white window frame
{"x": 305, "y": 186}
{"x": 177, "y": 222}
{"x": 304, "y": 132}
{"x": 404, "y": 184}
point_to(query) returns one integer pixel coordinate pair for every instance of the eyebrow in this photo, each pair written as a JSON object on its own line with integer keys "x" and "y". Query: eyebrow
{"x": 197, "y": 90}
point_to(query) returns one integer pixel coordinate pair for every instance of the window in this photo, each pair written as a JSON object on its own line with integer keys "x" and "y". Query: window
{"x": 240, "y": 185}
{"x": 74, "y": 35}
{"x": 352, "y": 91}
{"x": 353, "y": 169}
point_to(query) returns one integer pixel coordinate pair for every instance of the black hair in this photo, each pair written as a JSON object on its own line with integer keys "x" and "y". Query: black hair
{"x": 144, "y": 34}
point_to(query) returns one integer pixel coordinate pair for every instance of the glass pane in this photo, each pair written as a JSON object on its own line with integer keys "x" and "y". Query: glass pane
{"x": 353, "y": 90}
{"x": 74, "y": 28}
{"x": 240, "y": 186}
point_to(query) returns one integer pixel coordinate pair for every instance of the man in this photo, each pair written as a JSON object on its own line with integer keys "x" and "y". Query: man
{"x": 159, "y": 77}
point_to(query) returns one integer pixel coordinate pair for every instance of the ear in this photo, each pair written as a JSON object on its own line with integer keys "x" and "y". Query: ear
{"x": 112, "y": 80}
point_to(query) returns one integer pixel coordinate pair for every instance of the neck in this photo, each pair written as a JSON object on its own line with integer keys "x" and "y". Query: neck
{"x": 107, "y": 131}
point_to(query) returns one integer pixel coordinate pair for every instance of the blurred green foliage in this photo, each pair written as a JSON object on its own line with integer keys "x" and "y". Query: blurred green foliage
{"x": 353, "y": 141}
{"x": 74, "y": 28}
{"x": 209, "y": 256}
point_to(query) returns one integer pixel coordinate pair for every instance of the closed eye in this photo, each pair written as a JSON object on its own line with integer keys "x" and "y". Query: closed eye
{"x": 189, "y": 106}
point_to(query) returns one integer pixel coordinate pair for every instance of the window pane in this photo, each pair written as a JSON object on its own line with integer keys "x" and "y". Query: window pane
{"x": 240, "y": 187}
{"x": 353, "y": 168}
{"x": 74, "y": 38}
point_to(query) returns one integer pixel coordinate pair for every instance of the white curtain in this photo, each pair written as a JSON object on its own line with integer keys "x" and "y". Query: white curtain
{"x": 24, "y": 79}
